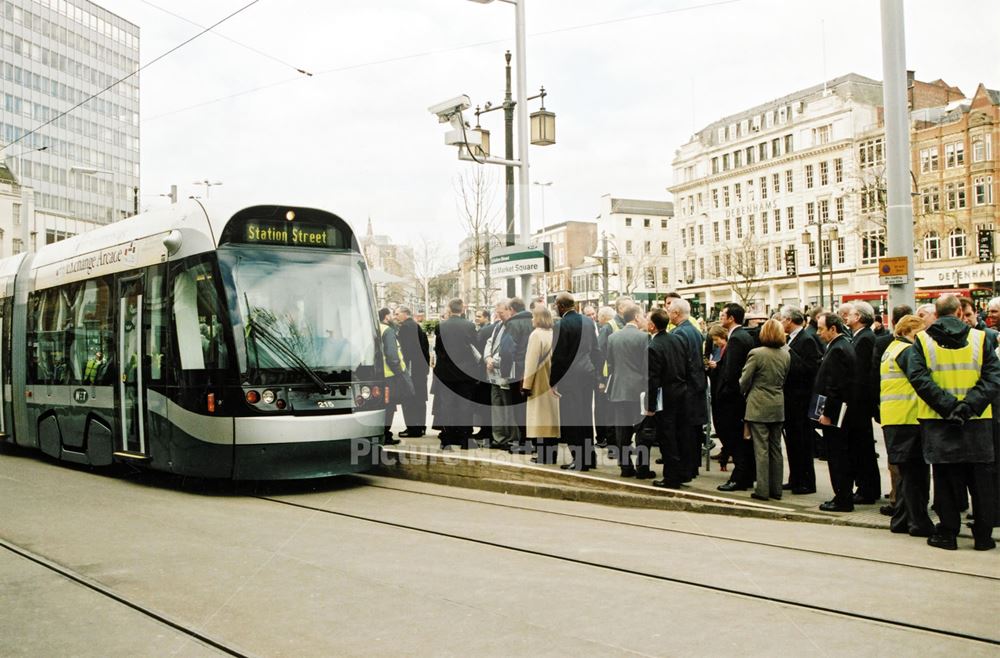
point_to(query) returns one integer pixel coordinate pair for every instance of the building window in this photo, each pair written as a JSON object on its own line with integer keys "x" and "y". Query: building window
{"x": 763, "y": 187}
{"x": 956, "y": 243}
{"x": 715, "y": 231}
{"x": 737, "y": 159}
{"x": 762, "y": 151}
{"x": 810, "y": 213}
{"x": 790, "y": 217}
{"x": 647, "y": 247}
{"x": 739, "y": 228}
{"x": 763, "y": 222}
{"x": 954, "y": 155}
{"x": 870, "y": 152}
{"x": 663, "y": 248}
{"x": 17, "y": 246}
{"x": 715, "y": 261}
{"x": 751, "y": 224}
{"x": 737, "y": 192}
{"x": 872, "y": 246}
{"x": 838, "y": 170}
{"x": 983, "y": 190}
{"x": 824, "y": 210}
{"x": 750, "y": 193}
{"x": 725, "y": 196}
{"x": 628, "y": 246}
{"x": 812, "y": 254}
{"x": 789, "y": 187}
{"x": 728, "y": 234}
{"x": 982, "y": 148}
{"x": 931, "y": 199}
{"x": 749, "y": 152}
{"x": 628, "y": 276}
{"x": 701, "y": 234}
{"x": 840, "y": 208}
{"x": 628, "y": 222}
{"x": 725, "y": 162}
{"x": 645, "y": 223}
{"x": 824, "y": 173}
{"x": 715, "y": 200}
{"x": 701, "y": 268}
{"x": 729, "y": 265}
{"x": 777, "y": 220}
{"x": 663, "y": 223}
{"x": 932, "y": 246}
{"x": 776, "y": 183}
{"x": 715, "y": 165}
{"x": 778, "y": 264}
{"x": 765, "y": 264}
{"x": 809, "y": 176}
{"x": 776, "y": 147}
{"x": 822, "y": 134}
{"x": 664, "y": 275}
{"x": 841, "y": 251}
{"x": 788, "y": 144}
{"x": 929, "y": 159}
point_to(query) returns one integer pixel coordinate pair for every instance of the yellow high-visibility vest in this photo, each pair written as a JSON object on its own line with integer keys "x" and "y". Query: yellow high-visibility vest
{"x": 399, "y": 350}
{"x": 954, "y": 370}
{"x": 897, "y": 399}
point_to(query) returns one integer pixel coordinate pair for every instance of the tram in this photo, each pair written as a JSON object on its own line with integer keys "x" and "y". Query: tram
{"x": 198, "y": 341}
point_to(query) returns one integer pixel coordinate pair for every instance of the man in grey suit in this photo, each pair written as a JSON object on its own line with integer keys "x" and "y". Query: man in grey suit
{"x": 627, "y": 379}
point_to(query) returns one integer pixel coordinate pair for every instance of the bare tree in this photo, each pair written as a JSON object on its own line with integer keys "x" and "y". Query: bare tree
{"x": 428, "y": 262}
{"x": 739, "y": 268}
{"x": 478, "y": 212}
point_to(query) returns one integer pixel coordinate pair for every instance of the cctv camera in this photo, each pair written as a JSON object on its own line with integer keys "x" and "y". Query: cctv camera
{"x": 446, "y": 109}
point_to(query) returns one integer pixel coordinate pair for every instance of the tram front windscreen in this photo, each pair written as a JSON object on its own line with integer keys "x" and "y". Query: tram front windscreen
{"x": 299, "y": 309}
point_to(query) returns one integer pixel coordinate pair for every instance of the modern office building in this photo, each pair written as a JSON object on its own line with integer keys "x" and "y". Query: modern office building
{"x": 79, "y": 162}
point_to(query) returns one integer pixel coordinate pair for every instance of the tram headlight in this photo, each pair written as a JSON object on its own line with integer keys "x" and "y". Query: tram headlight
{"x": 267, "y": 397}
{"x": 366, "y": 392}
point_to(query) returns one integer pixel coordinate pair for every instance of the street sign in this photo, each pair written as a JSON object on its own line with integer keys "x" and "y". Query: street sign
{"x": 985, "y": 245}
{"x": 517, "y": 260}
{"x": 894, "y": 270}
{"x": 790, "y": 262}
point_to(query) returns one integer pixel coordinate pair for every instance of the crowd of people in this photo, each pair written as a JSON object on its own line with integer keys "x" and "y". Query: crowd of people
{"x": 803, "y": 386}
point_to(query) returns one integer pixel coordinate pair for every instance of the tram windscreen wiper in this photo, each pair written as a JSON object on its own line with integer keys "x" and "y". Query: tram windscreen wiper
{"x": 259, "y": 329}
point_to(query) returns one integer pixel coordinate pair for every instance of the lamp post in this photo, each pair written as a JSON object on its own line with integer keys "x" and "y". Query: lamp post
{"x": 90, "y": 171}
{"x": 543, "y": 126}
{"x": 831, "y": 236}
{"x": 208, "y": 186}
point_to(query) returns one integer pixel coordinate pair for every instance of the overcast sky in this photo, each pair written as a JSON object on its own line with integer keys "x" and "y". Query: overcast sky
{"x": 629, "y": 80}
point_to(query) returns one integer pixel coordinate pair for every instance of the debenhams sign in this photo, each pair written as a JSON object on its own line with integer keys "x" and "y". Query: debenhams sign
{"x": 749, "y": 208}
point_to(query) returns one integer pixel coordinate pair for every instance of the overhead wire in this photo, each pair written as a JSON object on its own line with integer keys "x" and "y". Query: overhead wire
{"x": 229, "y": 39}
{"x": 438, "y": 51}
{"x": 124, "y": 78}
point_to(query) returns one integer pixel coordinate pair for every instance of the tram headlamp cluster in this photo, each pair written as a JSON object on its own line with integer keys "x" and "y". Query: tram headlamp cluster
{"x": 267, "y": 397}
{"x": 253, "y": 397}
{"x": 366, "y": 392}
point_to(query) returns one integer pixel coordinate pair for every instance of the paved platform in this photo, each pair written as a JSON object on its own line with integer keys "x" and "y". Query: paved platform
{"x": 495, "y": 470}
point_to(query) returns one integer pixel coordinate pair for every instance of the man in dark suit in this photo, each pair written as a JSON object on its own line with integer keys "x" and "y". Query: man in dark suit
{"x": 627, "y": 380}
{"x": 484, "y": 390}
{"x": 729, "y": 405}
{"x": 513, "y": 347}
{"x": 455, "y": 371}
{"x": 416, "y": 354}
{"x": 805, "y": 357}
{"x": 669, "y": 373}
{"x": 694, "y": 412}
{"x": 864, "y": 462}
{"x": 575, "y": 363}
{"x": 835, "y": 381}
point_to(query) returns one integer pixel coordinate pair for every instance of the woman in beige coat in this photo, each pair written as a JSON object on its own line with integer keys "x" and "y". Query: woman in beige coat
{"x": 543, "y": 402}
{"x": 762, "y": 383}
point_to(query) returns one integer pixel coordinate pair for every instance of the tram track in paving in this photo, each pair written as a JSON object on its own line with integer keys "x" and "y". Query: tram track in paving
{"x": 108, "y": 593}
{"x": 718, "y": 589}
{"x": 690, "y": 533}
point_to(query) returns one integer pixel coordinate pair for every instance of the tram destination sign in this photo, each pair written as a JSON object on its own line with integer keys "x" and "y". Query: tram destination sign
{"x": 292, "y": 234}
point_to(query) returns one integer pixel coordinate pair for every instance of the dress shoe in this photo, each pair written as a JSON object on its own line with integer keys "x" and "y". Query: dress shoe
{"x": 757, "y": 496}
{"x": 645, "y": 475}
{"x": 900, "y": 530}
{"x": 665, "y": 484}
{"x": 411, "y": 434}
{"x": 986, "y": 544}
{"x": 831, "y": 506}
{"x": 947, "y": 542}
{"x": 802, "y": 491}
{"x": 921, "y": 532}
{"x": 887, "y": 510}
{"x": 389, "y": 441}
{"x": 861, "y": 500}
{"x": 731, "y": 486}
{"x": 628, "y": 472}
{"x": 787, "y": 486}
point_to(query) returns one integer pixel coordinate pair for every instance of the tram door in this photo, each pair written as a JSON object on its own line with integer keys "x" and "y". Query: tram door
{"x": 131, "y": 419}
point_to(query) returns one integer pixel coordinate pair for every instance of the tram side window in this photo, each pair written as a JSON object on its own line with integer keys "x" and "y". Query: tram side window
{"x": 155, "y": 310}
{"x": 198, "y": 318}
{"x": 93, "y": 346}
{"x": 50, "y": 335}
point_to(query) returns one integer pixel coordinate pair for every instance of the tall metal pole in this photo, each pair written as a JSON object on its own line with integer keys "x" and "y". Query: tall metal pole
{"x": 899, "y": 212}
{"x": 522, "y": 136}
{"x": 819, "y": 245}
{"x": 508, "y": 116}
{"x": 604, "y": 265}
